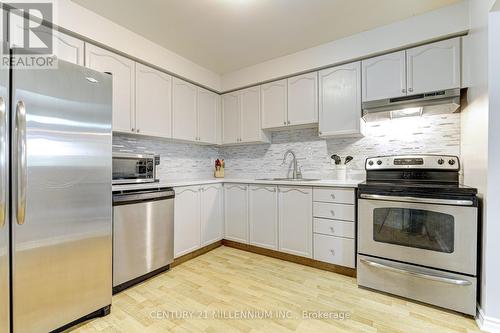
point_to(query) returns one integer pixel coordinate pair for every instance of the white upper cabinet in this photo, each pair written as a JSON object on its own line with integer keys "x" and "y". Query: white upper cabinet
{"x": 236, "y": 212}
{"x": 434, "y": 66}
{"x": 241, "y": 121}
{"x": 184, "y": 112}
{"x": 208, "y": 117}
{"x": 69, "y": 48}
{"x": 263, "y": 216}
{"x": 274, "y": 104}
{"x": 230, "y": 118}
{"x": 123, "y": 71}
{"x": 251, "y": 130}
{"x": 153, "y": 102}
{"x": 340, "y": 101}
{"x": 303, "y": 99}
{"x": 212, "y": 220}
{"x": 295, "y": 220}
{"x": 187, "y": 213}
{"x": 384, "y": 76}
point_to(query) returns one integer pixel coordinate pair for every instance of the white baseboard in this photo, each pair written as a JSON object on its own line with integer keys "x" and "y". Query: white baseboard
{"x": 485, "y": 323}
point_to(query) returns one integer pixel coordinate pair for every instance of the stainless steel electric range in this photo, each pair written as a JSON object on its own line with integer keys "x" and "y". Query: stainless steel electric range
{"x": 417, "y": 231}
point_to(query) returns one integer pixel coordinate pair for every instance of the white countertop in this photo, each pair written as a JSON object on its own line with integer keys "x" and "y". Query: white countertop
{"x": 190, "y": 182}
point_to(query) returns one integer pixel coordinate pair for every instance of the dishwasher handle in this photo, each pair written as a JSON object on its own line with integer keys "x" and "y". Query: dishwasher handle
{"x": 128, "y": 198}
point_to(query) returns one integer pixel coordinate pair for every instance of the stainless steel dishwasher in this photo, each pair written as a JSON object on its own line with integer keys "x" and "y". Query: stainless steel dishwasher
{"x": 143, "y": 234}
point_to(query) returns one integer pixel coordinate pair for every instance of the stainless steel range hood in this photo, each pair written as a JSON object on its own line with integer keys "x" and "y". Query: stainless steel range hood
{"x": 437, "y": 102}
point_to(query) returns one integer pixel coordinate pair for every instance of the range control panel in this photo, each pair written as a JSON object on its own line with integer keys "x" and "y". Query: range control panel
{"x": 440, "y": 162}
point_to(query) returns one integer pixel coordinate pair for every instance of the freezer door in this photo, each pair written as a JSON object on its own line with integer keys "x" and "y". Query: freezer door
{"x": 4, "y": 197}
{"x": 61, "y": 196}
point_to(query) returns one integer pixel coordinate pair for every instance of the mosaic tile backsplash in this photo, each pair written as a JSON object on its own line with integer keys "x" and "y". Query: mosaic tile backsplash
{"x": 439, "y": 134}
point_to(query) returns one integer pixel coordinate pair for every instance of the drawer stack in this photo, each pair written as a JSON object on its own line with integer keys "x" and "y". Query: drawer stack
{"x": 334, "y": 225}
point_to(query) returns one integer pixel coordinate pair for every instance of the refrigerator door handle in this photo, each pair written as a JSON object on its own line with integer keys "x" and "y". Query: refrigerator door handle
{"x": 21, "y": 160}
{"x": 3, "y": 161}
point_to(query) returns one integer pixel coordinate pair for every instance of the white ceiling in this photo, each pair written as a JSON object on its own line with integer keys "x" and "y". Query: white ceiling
{"x": 226, "y": 35}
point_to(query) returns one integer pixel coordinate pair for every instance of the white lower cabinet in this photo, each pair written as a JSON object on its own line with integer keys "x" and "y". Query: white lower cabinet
{"x": 212, "y": 221}
{"x": 198, "y": 219}
{"x": 263, "y": 216}
{"x": 334, "y": 250}
{"x": 295, "y": 220}
{"x": 236, "y": 212}
{"x": 187, "y": 215}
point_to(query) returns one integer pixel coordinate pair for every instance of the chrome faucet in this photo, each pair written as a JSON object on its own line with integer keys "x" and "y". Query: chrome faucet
{"x": 296, "y": 173}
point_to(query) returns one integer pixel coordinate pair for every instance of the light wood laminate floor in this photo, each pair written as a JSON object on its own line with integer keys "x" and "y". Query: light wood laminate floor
{"x": 224, "y": 283}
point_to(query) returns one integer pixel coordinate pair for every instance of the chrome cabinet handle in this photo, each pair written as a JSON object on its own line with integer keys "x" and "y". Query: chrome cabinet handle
{"x": 416, "y": 200}
{"x": 332, "y": 212}
{"x": 288, "y": 122}
{"x": 284, "y": 123}
{"x": 332, "y": 195}
{"x": 403, "y": 90}
{"x": 3, "y": 162}
{"x": 132, "y": 129}
{"x": 138, "y": 130}
{"x": 410, "y": 90}
{"x": 332, "y": 252}
{"x": 21, "y": 161}
{"x": 332, "y": 229}
{"x": 427, "y": 276}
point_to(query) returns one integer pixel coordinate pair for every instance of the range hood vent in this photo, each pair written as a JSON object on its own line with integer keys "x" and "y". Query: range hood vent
{"x": 437, "y": 102}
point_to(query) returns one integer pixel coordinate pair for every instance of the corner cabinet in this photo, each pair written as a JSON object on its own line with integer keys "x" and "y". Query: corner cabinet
{"x": 340, "y": 101}
{"x": 241, "y": 117}
{"x": 295, "y": 220}
{"x": 184, "y": 110}
{"x": 207, "y": 116}
{"x": 153, "y": 102}
{"x": 123, "y": 71}
{"x": 263, "y": 216}
{"x": 236, "y": 212}
{"x": 198, "y": 219}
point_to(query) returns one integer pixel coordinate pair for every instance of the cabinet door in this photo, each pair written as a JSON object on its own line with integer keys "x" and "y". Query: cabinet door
{"x": 69, "y": 48}
{"x": 212, "y": 222}
{"x": 184, "y": 96}
{"x": 250, "y": 125}
{"x": 230, "y": 118}
{"x": 434, "y": 66}
{"x": 207, "y": 116}
{"x": 274, "y": 104}
{"x": 303, "y": 99}
{"x": 340, "y": 100}
{"x": 384, "y": 76}
{"x": 295, "y": 220}
{"x": 186, "y": 220}
{"x": 123, "y": 71}
{"x": 263, "y": 216}
{"x": 153, "y": 102}
{"x": 236, "y": 212}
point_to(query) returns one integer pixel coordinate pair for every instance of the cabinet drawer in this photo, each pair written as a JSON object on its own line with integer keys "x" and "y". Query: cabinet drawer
{"x": 334, "y": 250}
{"x": 334, "y": 228}
{"x": 333, "y": 211}
{"x": 337, "y": 195}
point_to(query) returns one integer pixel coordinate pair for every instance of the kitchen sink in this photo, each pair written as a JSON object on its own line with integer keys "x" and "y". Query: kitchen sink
{"x": 290, "y": 179}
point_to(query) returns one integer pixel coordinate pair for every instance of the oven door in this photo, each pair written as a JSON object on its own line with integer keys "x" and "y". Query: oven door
{"x": 427, "y": 232}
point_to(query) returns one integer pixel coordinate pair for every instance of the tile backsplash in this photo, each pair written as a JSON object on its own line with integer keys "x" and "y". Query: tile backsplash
{"x": 439, "y": 134}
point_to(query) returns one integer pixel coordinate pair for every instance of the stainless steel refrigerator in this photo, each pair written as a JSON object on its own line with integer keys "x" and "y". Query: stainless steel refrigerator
{"x": 55, "y": 201}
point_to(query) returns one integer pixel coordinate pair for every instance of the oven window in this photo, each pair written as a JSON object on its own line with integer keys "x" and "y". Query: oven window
{"x": 416, "y": 228}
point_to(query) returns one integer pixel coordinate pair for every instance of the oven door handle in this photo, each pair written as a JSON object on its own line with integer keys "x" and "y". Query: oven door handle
{"x": 417, "y": 200}
{"x": 432, "y": 277}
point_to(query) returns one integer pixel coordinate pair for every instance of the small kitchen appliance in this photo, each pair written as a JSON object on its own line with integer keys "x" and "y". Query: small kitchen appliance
{"x": 417, "y": 231}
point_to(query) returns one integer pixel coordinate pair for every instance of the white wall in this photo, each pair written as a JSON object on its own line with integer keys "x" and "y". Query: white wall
{"x": 491, "y": 282}
{"x": 446, "y": 21}
{"x": 90, "y": 25}
{"x": 480, "y": 148}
